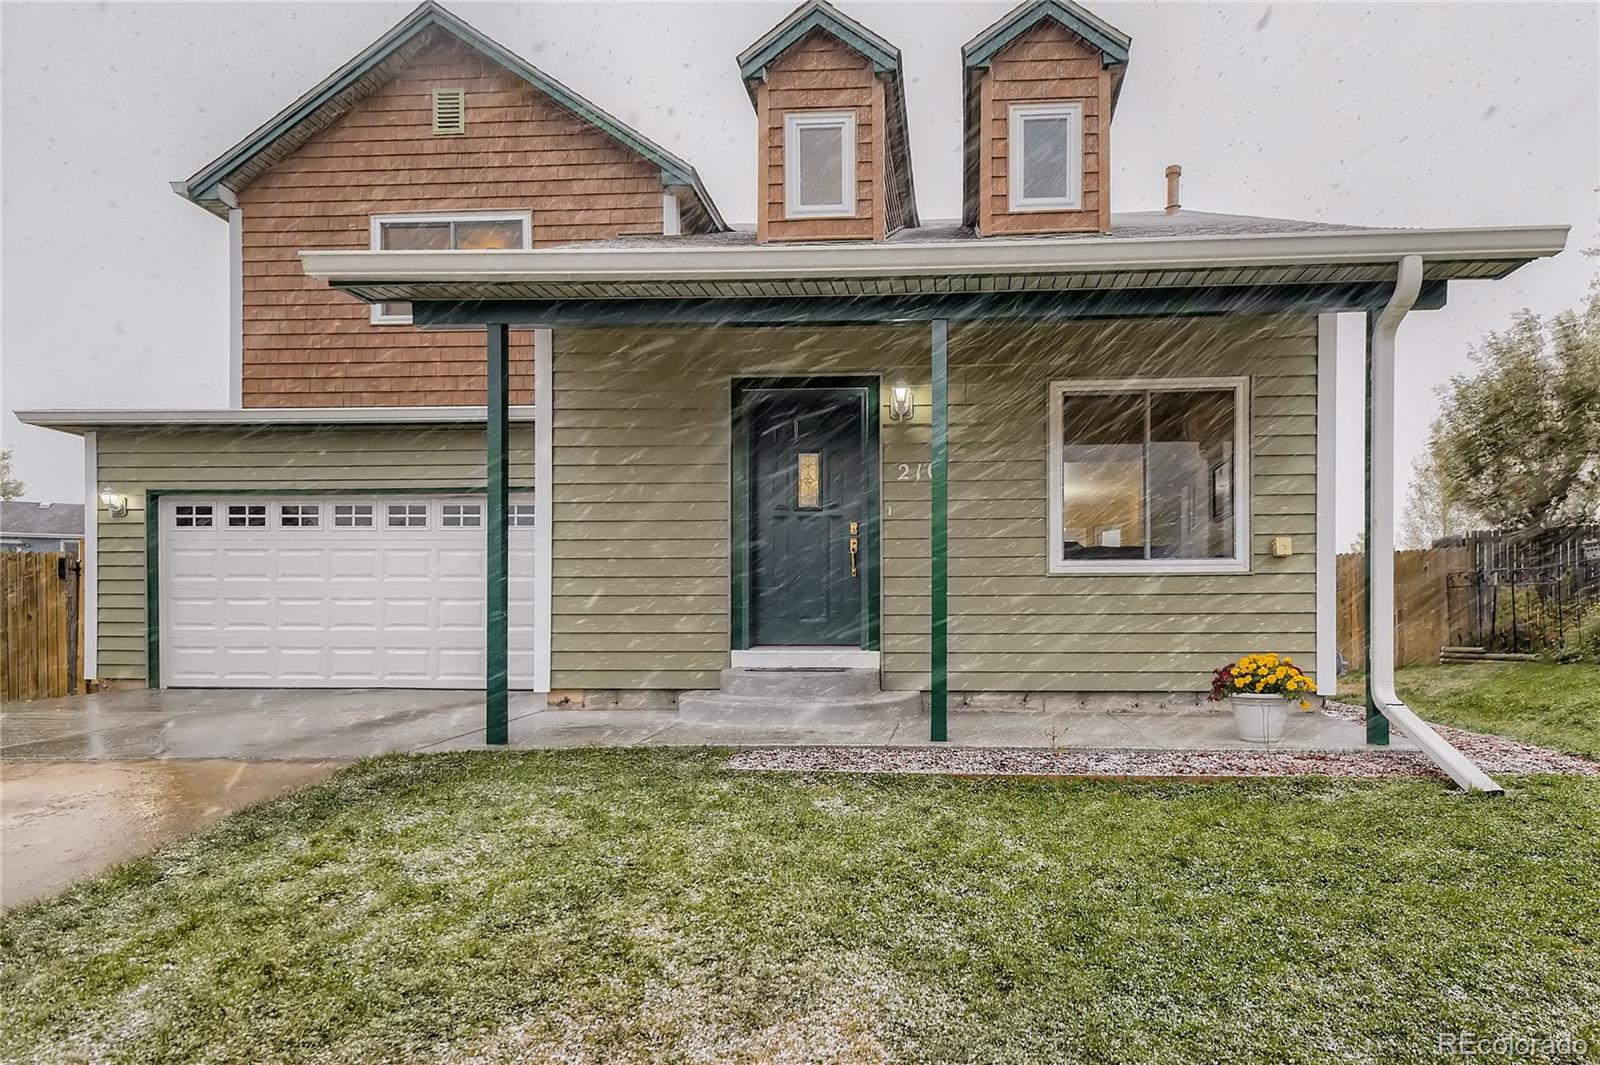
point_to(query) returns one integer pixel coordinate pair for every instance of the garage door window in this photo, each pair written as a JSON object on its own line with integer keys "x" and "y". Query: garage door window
{"x": 408, "y": 515}
{"x": 247, "y": 515}
{"x": 300, "y": 515}
{"x": 461, "y": 515}
{"x": 521, "y": 516}
{"x": 352, "y": 515}
{"x": 192, "y": 516}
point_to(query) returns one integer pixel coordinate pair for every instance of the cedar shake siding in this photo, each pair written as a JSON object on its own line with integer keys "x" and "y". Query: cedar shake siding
{"x": 641, "y": 495}
{"x": 821, "y": 73}
{"x": 306, "y": 345}
{"x": 1047, "y": 64}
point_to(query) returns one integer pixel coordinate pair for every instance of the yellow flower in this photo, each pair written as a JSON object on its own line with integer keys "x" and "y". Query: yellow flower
{"x": 1305, "y": 705}
{"x": 1288, "y": 661}
{"x": 1241, "y": 682}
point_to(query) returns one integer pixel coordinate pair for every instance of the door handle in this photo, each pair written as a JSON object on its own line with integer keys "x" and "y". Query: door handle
{"x": 855, "y": 549}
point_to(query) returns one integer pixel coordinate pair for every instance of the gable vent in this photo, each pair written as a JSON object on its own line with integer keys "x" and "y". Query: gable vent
{"x": 449, "y": 112}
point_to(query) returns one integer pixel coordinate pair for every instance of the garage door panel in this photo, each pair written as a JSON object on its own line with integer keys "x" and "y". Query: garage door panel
{"x": 335, "y": 605}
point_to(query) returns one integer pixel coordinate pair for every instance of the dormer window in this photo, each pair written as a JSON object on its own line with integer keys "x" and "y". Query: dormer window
{"x": 1046, "y": 158}
{"x": 819, "y": 152}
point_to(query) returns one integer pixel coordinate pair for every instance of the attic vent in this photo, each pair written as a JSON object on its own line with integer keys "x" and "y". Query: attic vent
{"x": 449, "y": 112}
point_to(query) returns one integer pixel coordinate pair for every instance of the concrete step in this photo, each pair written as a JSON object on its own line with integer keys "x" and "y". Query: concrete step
{"x": 722, "y": 708}
{"x": 805, "y": 685}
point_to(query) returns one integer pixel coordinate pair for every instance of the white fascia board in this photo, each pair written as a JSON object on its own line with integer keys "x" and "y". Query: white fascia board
{"x": 83, "y": 420}
{"x": 977, "y": 256}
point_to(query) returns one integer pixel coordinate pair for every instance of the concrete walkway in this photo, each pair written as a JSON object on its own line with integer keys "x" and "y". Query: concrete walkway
{"x": 344, "y": 724}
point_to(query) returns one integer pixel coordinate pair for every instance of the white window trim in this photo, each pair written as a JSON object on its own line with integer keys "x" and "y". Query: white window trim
{"x": 1240, "y": 563}
{"x": 1019, "y": 115}
{"x": 793, "y": 123}
{"x": 375, "y": 234}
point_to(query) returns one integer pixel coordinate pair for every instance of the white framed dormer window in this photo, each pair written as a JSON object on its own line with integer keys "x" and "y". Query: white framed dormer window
{"x": 473, "y": 231}
{"x": 819, "y": 164}
{"x": 1150, "y": 476}
{"x": 1045, "y": 166}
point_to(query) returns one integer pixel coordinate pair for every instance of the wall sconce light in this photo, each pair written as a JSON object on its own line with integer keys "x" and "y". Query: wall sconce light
{"x": 901, "y": 405}
{"x": 116, "y": 505}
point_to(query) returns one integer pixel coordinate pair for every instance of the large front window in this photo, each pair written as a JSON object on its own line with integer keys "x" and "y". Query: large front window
{"x": 1149, "y": 476}
{"x": 467, "y": 232}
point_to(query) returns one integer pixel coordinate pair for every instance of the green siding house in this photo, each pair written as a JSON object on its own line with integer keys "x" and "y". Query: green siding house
{"x": 516, "y": 409}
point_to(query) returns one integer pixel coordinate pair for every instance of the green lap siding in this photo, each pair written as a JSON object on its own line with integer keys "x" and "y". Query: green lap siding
{"x": 132, "y": 462}
{"x": 641, "y": 529}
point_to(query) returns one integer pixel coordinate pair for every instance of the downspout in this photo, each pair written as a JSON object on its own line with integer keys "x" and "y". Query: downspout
{"x": 1381, "y": 696}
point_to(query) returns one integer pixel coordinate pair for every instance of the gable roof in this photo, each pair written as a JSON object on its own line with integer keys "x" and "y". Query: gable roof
{"x": 214, "y": 185}
{"x": 814, "y": 15}
{"x": 819, "y": 15}
{"x": 1112, "y": 42}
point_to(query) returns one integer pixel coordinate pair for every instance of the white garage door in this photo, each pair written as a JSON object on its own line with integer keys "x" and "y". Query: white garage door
{"x": 336, "y": 591}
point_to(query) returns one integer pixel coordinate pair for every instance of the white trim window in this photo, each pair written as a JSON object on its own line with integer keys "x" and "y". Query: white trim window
{"x": 247, "y": 515}
{"x": 819, "y": 164}
{"x": 193, "y": 516}
{"x": 408, "y": 515}
{"x": 353, "y": 516}
{"x": 465, "y": 231}
{"x": 1045, "y": 164}
{"x": 299, "y": 515}
{"x": 1150, "y": 476}
{"x": 461, "y": 515}
{"x": 522, "y": 515}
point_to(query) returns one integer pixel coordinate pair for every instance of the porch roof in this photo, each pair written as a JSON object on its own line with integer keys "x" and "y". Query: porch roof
{"x": 1147, "y": 251}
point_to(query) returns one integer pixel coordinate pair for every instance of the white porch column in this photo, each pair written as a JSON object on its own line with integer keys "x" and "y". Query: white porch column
{"x": 1327, "y": 530}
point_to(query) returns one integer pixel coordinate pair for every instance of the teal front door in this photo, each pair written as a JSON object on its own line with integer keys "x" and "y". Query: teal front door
{"x": 808, "y": 494}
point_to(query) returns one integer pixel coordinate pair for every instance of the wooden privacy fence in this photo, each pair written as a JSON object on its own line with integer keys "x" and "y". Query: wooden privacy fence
{"x": 1422, "y": 622}
{"x": 42, "y": 637}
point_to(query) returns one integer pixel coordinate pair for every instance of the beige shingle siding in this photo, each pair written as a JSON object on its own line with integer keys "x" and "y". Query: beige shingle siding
{"x": 641, "y": 514}
{"x": 134, "y": 461}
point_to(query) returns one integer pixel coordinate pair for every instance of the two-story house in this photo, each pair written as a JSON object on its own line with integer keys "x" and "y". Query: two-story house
{"x": 514, "y": 406}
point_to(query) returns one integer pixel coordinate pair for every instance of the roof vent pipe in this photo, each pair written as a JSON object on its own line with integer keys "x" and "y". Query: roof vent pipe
{"x": 1174, "y": 172}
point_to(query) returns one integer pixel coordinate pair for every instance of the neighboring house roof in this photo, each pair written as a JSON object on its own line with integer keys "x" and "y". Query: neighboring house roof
{"x": 215, "y": 185}
{"x": 63, "y": 520}
{"x": 820, "y": 15}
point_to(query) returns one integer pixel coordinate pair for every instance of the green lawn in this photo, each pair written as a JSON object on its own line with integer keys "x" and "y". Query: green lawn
{"x": 619, "y": 906}
{"x": 1555, "y": 706}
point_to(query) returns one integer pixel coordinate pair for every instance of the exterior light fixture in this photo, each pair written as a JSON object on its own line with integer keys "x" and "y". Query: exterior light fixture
{"x": 901, "y": 405}
{"x": 116, "y": 505}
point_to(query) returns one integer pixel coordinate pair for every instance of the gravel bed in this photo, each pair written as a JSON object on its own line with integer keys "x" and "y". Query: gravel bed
{"x": 1493, "y": 753}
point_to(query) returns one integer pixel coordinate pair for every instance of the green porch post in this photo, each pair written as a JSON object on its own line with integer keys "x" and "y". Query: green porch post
{"x": 498, "y": 479}
{"x": 939, "y": 597}
{"x": 1377, "y": 723}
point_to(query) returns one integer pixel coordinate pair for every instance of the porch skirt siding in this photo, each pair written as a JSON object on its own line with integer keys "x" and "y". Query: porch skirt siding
{"x": 132, "y": 462}
{"x": 641, "y": 518}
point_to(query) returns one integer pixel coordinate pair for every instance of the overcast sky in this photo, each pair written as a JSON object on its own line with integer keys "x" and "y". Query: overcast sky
{"x": 114, "y": 289}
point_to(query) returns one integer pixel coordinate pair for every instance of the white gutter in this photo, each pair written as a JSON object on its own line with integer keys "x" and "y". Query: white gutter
{"x": 1380, "y": 544}
{"x": 684, "y": 262}
{"x": 69, "y": 420}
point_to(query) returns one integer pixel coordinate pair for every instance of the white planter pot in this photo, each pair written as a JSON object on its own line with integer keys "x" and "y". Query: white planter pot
{"x": 1259, "y": 718}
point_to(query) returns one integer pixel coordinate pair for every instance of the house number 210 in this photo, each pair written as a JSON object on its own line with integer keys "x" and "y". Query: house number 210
{"x": 914, "y": 471}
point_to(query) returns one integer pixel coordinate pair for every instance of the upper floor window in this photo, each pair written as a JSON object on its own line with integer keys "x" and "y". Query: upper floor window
{"x": 1046, "y": 157}
{"x": 463, "y": 232}
{"x": 819, "y": 162}
{"x": 1149, "y": 476}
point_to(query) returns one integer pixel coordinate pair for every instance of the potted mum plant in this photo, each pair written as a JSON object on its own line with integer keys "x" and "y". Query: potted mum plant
{"x": 1259, "y": 688}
